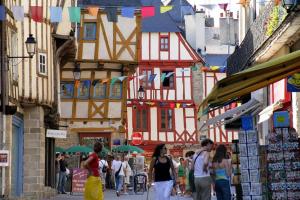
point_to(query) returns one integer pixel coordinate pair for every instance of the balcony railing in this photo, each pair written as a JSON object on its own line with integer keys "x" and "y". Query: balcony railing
{"x": 259, "y": 32}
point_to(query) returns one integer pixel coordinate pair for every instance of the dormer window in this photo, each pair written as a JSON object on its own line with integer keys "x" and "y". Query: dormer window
{"x": 164, "y": 43}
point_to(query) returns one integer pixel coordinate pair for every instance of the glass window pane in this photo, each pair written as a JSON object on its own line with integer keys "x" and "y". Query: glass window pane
{"x": 144, "y": 119}
{"x": 163, "y": 119}
{"x": 170, "y": 121}
{"x": 138, "y": 119}
{"x": 66, "y": 90}
{"x": 89, "y": 31}
{"x": 115, "y": 91}
{"x": 100, "y": 90}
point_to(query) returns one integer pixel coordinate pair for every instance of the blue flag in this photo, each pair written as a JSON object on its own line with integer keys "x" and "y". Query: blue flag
{"x": 151, "y": 78}
{"x": 2, "y": 13}
{"x": 55, "y": 14}
{"x": 128, "y": 12}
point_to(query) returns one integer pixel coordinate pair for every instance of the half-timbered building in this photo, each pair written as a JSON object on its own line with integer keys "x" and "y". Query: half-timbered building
{"x": 29, "y": 88}
{"x": 167, "y": 113}
{"x": 94, "y": 108}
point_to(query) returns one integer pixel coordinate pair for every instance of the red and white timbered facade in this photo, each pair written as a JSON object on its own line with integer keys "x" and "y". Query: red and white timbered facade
{"x": 167, "y": 113}
{"x": 218, "y": 134}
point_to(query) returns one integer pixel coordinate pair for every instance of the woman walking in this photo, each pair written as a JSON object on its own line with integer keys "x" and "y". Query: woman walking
{"x": 222, "y": 173}
{"x": 161, "y": 166}
{"x": 93, "y": 185}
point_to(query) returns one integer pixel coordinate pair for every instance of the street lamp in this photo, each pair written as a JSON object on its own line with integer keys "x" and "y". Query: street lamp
{"x": 290, "y": 4}
{"x": 30, "y": 47}
{"x": 77, "y": 72}
{"x": 141, "y": 93}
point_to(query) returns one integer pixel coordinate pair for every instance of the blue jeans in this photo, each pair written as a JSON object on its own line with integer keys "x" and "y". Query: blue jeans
{"x": 119, "y": 182}
{"x": 62, "y": 181}
{"x": 223, "y": 190}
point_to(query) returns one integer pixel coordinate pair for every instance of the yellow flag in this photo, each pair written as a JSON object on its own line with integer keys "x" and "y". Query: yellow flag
{"x": 177, "y": 105}
{"x": 214, "y": 68}
{"x": 164, "y": 9}
{"x": 93, "y": 10}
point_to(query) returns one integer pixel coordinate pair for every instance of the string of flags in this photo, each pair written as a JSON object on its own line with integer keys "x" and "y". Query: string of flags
{"x": 164, "y": 104}
{"x": 214, "y": 68}
{"x": 36, "y": 12}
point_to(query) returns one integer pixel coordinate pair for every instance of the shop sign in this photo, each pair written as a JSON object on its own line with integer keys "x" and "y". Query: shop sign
{"x": 293, "y": 83}
{"x": 281, "y": 119}
{"x": 79, "y": 179}
{"x": 4, "y": 158}
{"x": 51, "y": 133}
{"x": 137, "y": 138}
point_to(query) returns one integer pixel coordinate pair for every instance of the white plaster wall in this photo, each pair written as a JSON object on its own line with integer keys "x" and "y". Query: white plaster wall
{"x": 129, "y": 120}
{"x": 114, "y": 109}
{"x": 179, "y": 88}
{"x": 170, "y": 136}
{"x": 162, "y": 136}
{"x": 81, "y": 109}
{"x": 187, "y": 85}
{"x": 184, "y": 54}
{"x": 179, "y": 119}
{"x": 145, "y": 46}
{"x": 154, "y": 46}
{"x": 279, "y": 88}
{"x": 157, "y": 81}
{"x": 153, "y": 116}
{"x": 67, "y": 111}
{"x": 103, "y": 54}
{"x": 190, "y": 125}
{"x": 164, "y": 55}
{"x": 88, "y": 51}
{"x": 174, "y": 46}
{"x": 100, "y": 74}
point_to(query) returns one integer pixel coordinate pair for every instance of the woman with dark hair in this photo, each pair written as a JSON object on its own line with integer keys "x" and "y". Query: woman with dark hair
{"x": 93, "y": 185}
{"x": 161, "y": 164}
{"x": 222, "y": 173}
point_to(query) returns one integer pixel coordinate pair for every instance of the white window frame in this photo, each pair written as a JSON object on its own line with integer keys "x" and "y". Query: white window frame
{"x": 44, "y": 72}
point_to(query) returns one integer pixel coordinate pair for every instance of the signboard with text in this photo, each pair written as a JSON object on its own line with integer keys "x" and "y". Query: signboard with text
{"x": 79, "y": 179}
{"x": 56, "y": 133}
{"x": 4, "y": 158}
{"x": 293, "y": 83}
{"x": 137, "y": 138}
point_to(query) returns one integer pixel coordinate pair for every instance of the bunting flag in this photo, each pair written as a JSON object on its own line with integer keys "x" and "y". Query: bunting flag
{"x": 194, "y": 68}
{"x": 55, "y": 14}
{"x": 113, "y": 80}
{"x": 222, "y": 69}
{"x": 148, "y": 11}
{"x": 151, "y": 78}
{"x": 150, "y": 103}
{"x": 140, "y": 77}
{"x": 177, "y": 105}
{"x": 183, "y": 105}
{"x": 185, "y": 70}
{"x": 74, "y": 14}
{"x": 121, "y": 78}
{"x": 18, "y": 12}
{"x": 36, "y": 13}
{"x": 87, "y": 83}
{"x": 111, "y": 14}
{"x": 164, "y": 9}
{"x": 223, "y": 6}
{"x": 172, "y": 105}
{"x": 105, "y": 80}
{"x": 95, "y": 82}
{"x": 163, "y": 76}
{"x": 2, "y": 13}
{"x": 93, "y": 10}
{"x": 77, "y": 83}
{"x": 128, "y": 12}
{"x": 170, "y": 74}
{"x": 214, "y": 68}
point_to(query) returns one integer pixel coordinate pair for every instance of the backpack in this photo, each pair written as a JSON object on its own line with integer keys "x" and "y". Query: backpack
{"x": 104, "y": 168}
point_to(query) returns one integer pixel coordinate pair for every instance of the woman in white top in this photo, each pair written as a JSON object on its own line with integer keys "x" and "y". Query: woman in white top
{"x": 118, "y": 171}
{"x": 127, "y": 172}
{"x": 103, "y": 165}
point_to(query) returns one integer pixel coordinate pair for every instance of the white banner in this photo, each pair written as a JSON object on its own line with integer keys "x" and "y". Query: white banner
{"x": 56, "y": 133}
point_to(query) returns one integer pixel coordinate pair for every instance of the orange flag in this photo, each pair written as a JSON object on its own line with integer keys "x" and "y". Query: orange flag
{"x": 93, "y": 10}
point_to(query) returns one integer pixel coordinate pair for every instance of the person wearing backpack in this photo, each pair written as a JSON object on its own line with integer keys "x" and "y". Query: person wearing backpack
{"x": 127, "y": 172}
{"x": 161, "y": 165}
{"x": 103, "y": 165}
{"x": 118, "y": 171}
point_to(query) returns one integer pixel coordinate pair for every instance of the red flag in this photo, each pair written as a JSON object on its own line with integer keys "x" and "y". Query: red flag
{"x": 223, "y": 6}
{"x": 36, "y": 13}
{"x": 172, "y": 105}
{"x": 148, "y": 11}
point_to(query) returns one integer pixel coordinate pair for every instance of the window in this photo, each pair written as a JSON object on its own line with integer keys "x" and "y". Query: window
{"x": 89, "y": 32}
{"x": 169, "y": 79}
{"x": 66, "y": 90}
{"x": 141, "y": 119}
{"x": 164, "y": 43}
{"x": 83, "y": 90}
{"x": 42, "y": 64}
{"x": 166, "y": 119}
{"x": 100, "y": 91}
{"x": 116, "y": 91}
{"x": 145, "y": 81}
{"x": 14, "y": 52}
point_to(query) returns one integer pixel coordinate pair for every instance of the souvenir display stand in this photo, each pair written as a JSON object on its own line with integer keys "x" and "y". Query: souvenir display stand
{"x": 252, "y": 159}
{"x": 235, "y": 162}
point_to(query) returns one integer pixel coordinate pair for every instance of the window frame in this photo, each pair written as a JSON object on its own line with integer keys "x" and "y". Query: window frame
{"x": 161, "y": 110}
{"x": 163, "y": 45}
{"x": 88, "y": 94}
{"x": 105, "y": 91}
{"x": 61, "y": 93}
{"x": 146, "y": 79}
{"x": 174, "y": 78}
{"x": 135, "y": 115}
{"x": 85, "y": 36}
{"x": 121, "y": 92}
{"x": 43, "y": 64}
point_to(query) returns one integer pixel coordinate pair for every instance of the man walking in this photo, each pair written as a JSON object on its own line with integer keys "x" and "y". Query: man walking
{"x": 203, "y": 180}
{"x": 62, "y": 174}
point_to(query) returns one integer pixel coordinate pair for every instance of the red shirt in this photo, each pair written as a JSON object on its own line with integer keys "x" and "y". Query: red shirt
{"x": 94, "y": 164}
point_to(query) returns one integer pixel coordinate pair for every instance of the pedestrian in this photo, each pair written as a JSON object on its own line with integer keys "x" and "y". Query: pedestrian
{"x": 103, "y": 168}
{"x": 127, "y": 172}
{"x": 222, "y": 173}
{"x": 162, "y": 165}
{"x": 118, "y": 171}
{"x": 181, "y": 176}
{"x": 62, "y": 174}
{"x": 57, "y": 169}
{"x": 93, "y": 185}
{"x": 200, "y": 166}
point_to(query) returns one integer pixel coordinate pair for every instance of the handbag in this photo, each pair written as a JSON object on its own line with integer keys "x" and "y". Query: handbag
{"x": 104, "y": 168}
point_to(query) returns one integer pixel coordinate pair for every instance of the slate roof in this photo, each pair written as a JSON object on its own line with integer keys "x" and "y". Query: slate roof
{"x": 216, "y": 59}
{"x": 119, "y": 3}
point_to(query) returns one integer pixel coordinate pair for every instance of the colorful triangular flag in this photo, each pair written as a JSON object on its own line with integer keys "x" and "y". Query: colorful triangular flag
{"x": 185, "y": 70}
{"x": 172, "y": 105}
{"x": 121, "y": 78}
{"x": 93, "y": 10}
{"x": 55, "y": 14}
{"x": 105, "y": 80}
{"x": 163, "y": 76}
{"x": 77, "y": 83}
{"x": 194, "y": 68}
{"x": 214, "y": 68}
{"x": 2, "y": 13}
{"x": 177, "y": 105}
{"x": 148, "y": 11}
{"x": 74, "y": 14}
{"x": 151, "y": 78}
{"x": 164, "y": 9}
{"x": 18, "y": 12}
{"x": 170, "y": 74}
{"x": 128, "y": 12}
{"x": 111, "y": 14}
{"x": 113, "y": 80}
{"x": 140, "y": 77}
{"x": 36, "y": 13}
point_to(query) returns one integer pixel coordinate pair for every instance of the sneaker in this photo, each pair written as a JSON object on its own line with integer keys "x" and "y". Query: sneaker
{"x": 64, "y": 193}
{"x": 125, "y": 193}
{"x": 118, "y": 193}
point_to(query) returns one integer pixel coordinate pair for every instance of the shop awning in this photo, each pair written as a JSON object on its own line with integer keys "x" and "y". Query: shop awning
{"x": 266, "y": 113}
{"x": 232, "y": 114}
{"x": 254, "y": 78}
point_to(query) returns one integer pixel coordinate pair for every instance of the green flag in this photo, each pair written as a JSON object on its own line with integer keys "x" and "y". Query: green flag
{"x": 163, "y": 76}
{"x": 113, "y": 80}
{"x": 74, "y": 14}
{"x": 194, "y": 68}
